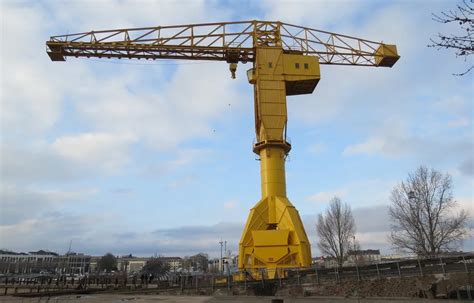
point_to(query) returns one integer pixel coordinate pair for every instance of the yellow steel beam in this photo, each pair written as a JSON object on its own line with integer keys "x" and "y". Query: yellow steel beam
{"x": 274, "y": 236}
{"x": 210, "y": 41}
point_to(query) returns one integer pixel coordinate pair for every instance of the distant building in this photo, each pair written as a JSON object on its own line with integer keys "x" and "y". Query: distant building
{"x": 214, "y": 265}
{"x": 399, "y": 256}
{"x": 131, "y": 264}
{"x": 94, "y": 264}
{"x": 43, "y": 262}
{"x": 318, "y": 262}
{"x": 366, "y": 256}
{"x": 74, "y": 264}
{"x": 330, "y": 262}
{"x": 196, "y": 263}
{"x": 27, "y": 263}
{"x": 174, "y": 263}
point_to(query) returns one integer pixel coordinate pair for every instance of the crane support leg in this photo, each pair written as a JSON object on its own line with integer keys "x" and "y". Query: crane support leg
{"x": 274, "y": 237}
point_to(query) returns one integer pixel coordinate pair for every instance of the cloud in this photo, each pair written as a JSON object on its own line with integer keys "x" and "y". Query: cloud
{"x": 66, "y": 123}
{"x": 35, "y": 163}
{"x": 54, "y": 231}
{"x": 105, "y": 150}
{"x": 229, "y": 205}
{"x": 31, "y": 97}
{"x": 122, "y": 191}
{"x": 458, "y": 123}
{"x": 183, "y": 110}
{"x": 467, "y": 166}
{"x": 24, "y": 203}
{"x": 326, "y": 196}
{"x": 60, "y": 228}
{"x": 317, "y": 148}
{"x": 87, "y": 15}
{"x": 466, "y": 203}
{"x": 454, "y": 104}
{"x": 379, "y": 219}
{"x": 362, "y": 193}
{"x": 78, "y": 118}
{"x": 181, "y": 158}
{"x": 183, "y": 182}
{"x": 401, "y": 142}
{"x": 371, "y": 146}
{"x": 323, "y": 14}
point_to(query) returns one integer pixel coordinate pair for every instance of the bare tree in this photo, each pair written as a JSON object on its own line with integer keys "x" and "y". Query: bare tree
{"x": 462, "y": 43}
{"x": 423, "y": 214}
{"x": 336, "y": 229}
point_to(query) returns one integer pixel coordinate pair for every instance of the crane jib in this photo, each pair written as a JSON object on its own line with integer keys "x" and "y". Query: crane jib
{"x": 232, "y": 42}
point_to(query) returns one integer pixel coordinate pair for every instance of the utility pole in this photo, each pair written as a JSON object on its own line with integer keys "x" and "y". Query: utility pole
{"x": 226, "y": 256}
{"x": 354, "y": 252}
{"x": 220, "y": 261}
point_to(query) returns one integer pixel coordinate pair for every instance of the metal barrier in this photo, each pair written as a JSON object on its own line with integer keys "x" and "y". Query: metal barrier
{"x": 242, "y": 279}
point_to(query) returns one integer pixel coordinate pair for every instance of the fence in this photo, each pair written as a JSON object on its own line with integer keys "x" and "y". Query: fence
{"x": 243, "y": 280}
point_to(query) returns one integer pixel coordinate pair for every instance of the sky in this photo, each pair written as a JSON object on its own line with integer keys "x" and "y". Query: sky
{"x": 156, "y": 157}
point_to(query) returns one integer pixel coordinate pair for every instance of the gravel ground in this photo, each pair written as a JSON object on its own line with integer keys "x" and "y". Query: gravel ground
{"x": 105, "y": 298}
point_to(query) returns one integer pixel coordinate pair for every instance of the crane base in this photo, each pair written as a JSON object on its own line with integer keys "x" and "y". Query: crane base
{"x": 273, "y": 239}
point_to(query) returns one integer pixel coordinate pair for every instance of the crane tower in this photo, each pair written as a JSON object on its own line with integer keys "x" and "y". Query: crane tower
{"x": 285, "y": 61}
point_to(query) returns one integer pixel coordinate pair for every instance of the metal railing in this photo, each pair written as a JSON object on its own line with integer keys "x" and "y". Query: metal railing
{"x": 15, "y": 284}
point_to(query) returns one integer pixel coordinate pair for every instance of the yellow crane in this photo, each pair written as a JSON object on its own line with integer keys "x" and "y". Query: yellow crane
{"x": 286, "y": 61}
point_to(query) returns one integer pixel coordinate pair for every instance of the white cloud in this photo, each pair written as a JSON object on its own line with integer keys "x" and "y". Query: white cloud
{"x": 453, "y": 104}
{"x": 53, "y": 231}
{"x": 231, "y": 204}
{"x": 183, "y": 182}
{"x": 105, "y": 150}
{"x": 79, "y": 16}
{"x": 326, "y": 196}
{"x": 63, "y": 121}
{"x": 184, "y": 109}
{"x": 424, "y": 149}
{"x": 29, "y": 101}
{"x": 371, "y": 146}
{"x": 373, "y": 240}
{"x": 113, "y": 110}
{"x": 181, "y": 158}
{"x": 362, "y": 193}
{"x": 460, "y": 122}
{"x": 317, "y": 148}
{"x": 467, "y": 167}
{"x": 34, "y": 163}
{"x": 322, "y": 14}
{"x": 23, "y": 203}
{"x": 428, "y": 142}
{"x": 466, "y": 203}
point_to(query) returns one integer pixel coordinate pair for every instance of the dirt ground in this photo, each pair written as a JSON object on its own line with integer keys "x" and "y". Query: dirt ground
{"x": 104, "y": 298}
